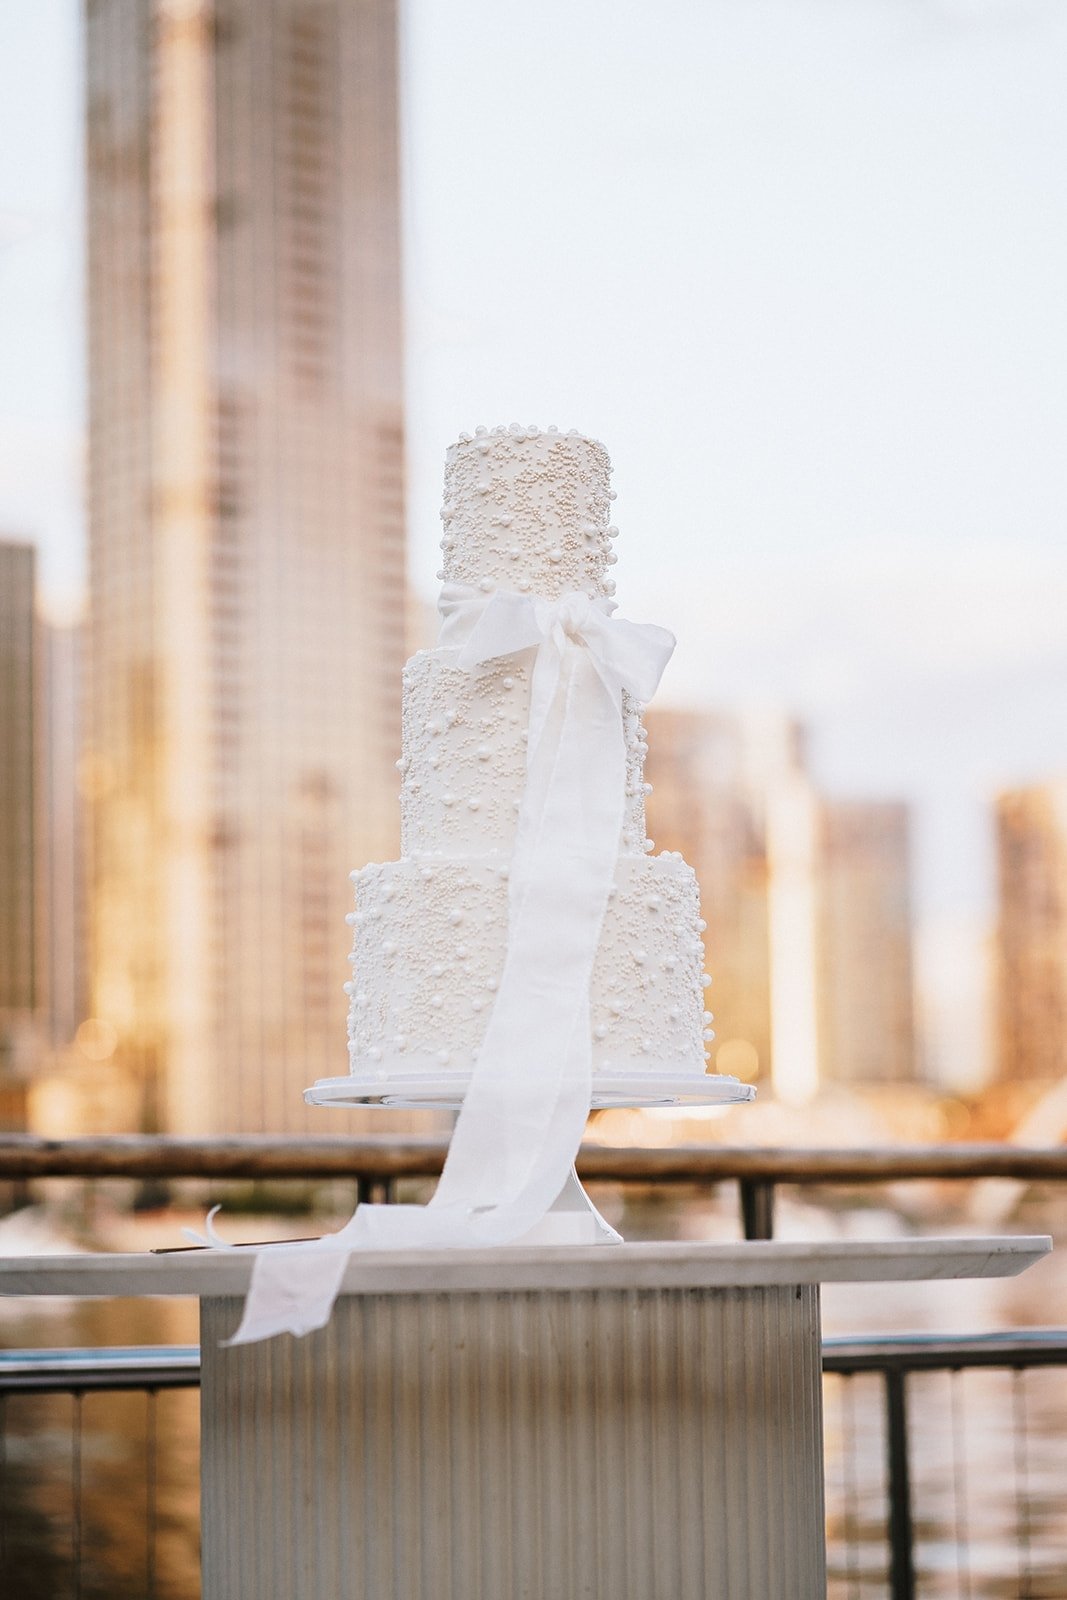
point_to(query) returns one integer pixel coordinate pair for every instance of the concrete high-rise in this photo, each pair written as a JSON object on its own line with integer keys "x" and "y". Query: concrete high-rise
{"x": 806, "y": 900}
{"x": 703, "y": 803}
{"x": 1031, "y": 989}
{"x": 864, "y": 942}
{"x": 20, "y": 976}
{"x": 246, "y": 537}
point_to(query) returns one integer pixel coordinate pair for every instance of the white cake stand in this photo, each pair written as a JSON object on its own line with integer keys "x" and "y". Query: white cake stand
{"x": 572, "y": 1218}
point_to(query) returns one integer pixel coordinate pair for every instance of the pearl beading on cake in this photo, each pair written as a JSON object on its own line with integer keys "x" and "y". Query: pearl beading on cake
{"x": 463, "y": 766}
{"x": 528, "y": 510}
{"x": 525, "y": 511}
{"x": 429, "y": 949}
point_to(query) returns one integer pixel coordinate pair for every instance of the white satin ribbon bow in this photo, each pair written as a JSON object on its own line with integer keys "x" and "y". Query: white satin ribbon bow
{"x": 524, "y": 1111}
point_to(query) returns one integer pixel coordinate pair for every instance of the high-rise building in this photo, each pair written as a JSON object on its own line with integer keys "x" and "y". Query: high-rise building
{"x": 702, "y": 804}
{"x": 20, "y": 979}
{"x": 246, "y": 537}
{"x": 865, "y": 985}
{"x": 806, "y": 901}
{"x": 1031, "y": 826}
{"x": 64, "y": 880}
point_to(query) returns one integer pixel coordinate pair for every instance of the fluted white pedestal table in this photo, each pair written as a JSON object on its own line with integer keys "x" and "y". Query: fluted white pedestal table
{"x": 635, "y": 1423}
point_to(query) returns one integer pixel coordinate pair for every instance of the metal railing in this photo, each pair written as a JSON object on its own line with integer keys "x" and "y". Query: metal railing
{"x": 893, "y": 1362}
{"x": 377, "y": 1165}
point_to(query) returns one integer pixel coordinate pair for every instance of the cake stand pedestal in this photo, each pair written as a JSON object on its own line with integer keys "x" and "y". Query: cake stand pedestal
{"x": 572, "y": 1217}
{"x": 641, "y": 1423}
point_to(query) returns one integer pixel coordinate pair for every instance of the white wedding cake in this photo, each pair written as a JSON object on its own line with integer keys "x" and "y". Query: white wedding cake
{"x": 527, "y": 511}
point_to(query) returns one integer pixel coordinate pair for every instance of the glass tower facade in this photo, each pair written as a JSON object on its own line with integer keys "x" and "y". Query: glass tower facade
{"x": 246, "y": 538}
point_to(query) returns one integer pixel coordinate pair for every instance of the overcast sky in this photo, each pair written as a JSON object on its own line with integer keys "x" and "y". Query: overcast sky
{"x": 801, "y": 264}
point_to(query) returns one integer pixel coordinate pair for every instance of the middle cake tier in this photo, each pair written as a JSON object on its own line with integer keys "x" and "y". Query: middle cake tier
{"x": 463, "y": 761}
{"x": 430, "y": 936}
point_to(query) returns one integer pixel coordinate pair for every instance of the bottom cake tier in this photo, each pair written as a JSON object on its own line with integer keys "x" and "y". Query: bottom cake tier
{"x": 429, "y": 950}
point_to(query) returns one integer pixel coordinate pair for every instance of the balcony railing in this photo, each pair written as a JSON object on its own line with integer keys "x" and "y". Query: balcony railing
{"x": 871, "y": 1523}
{"x": 376, "y": 1166}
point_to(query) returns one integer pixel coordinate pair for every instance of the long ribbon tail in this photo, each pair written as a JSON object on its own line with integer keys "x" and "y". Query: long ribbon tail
{"x": 522, "y": 1118}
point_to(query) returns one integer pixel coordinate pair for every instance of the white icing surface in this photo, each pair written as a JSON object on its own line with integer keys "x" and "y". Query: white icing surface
{"x": 429, "y": 950}
{"x": 463, "y": 767}
{"x": 524, "y": 510}
{"x": 529, "y": 511}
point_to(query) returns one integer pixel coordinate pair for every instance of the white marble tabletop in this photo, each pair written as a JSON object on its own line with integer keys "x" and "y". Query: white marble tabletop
{"x": 544, "y": 1268}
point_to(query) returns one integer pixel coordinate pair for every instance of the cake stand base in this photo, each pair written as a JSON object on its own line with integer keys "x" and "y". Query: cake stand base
{"x": 572, "y": 1219}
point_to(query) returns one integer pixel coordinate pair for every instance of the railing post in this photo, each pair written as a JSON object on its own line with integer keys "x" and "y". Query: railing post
{"x": 757, "y": 1208}
{"x": 901, "y": 1553}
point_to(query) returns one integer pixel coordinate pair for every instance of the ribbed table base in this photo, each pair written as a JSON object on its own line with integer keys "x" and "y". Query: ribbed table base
{"x": 609, "y": 1444}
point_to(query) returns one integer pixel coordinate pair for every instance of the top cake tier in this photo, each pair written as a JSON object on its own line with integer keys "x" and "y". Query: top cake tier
{"x": 528, "y": 509}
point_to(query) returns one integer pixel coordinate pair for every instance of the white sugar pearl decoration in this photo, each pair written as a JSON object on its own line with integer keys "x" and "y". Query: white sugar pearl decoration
{"x": 653, "y": 902}
{"x": 443, "y": 1057}
{"x": 426, "y": 873}
{"x": 555, "y": 555}
{"x": 455, "y": 916}
{"x": 448, "y": 799}
{"x": 388, "y": 948}
{"x": 400, "y": 1041}
{"x": 437, "y": 970}
{"x": 508, "y": 683}
{"x": 473, "y": 803}
{"x": 350, "y": 918}
{"x": 483, "y": 752}
{"x": 374, "y": 1053}
{"x": 486, "y": 585}
{"x": 490, "y": 984}
{"x": 705, "y": 980}
{"x": 477, "y": 1003}
{"x": 437, "y": 1001}
{"x": 640, "y": 956}
{"x": 601, "y": 1030}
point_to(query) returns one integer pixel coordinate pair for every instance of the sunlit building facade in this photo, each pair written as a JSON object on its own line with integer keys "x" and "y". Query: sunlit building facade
{"x": 1031, "y": 828}
{"x": 64, "y": 866}
{"x": 807, "y": 901}
{"x": 246, "y": 538}
{"x": 865, "y": 982}
{"x": 703, "y": 805}
{"x": 20, "y": 978}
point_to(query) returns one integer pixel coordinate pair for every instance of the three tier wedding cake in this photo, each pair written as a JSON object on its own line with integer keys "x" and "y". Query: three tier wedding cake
{"x": 527, "y": 957}
{"x": 527, "y": 512}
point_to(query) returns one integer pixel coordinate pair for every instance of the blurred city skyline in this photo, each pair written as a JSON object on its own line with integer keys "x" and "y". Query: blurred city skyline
{"x": 800, "y": 267}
